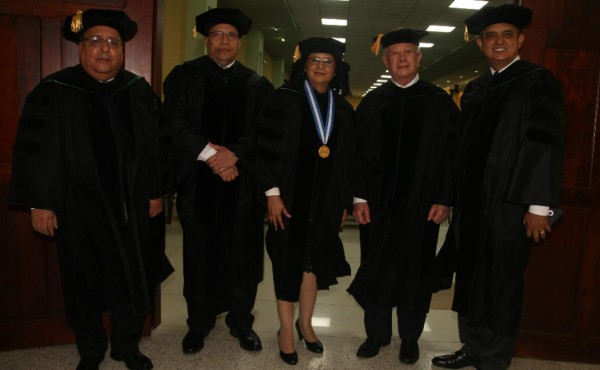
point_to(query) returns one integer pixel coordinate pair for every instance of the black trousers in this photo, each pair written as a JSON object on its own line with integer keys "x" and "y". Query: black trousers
{"x": 494, "y": 351}
{"x": 209, "y": 290}
{"x": 126, "y": 332}
{"x": 378, "y": 323}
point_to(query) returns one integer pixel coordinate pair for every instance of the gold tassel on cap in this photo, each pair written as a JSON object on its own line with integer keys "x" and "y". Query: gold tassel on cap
{"x": 376, "y": 45}
{"x": 77, "y": 21}
{"x": 466, "y": 33}
{"x": 194, "y": 32}
{"x": 297, "y": 54}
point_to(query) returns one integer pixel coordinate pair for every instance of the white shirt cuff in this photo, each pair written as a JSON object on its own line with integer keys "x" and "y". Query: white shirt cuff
{"x": 272, "y": 191}
{"x": 206, "y": 153}
{"x": 539, "y": 210}
{"x": 358, "y": 200}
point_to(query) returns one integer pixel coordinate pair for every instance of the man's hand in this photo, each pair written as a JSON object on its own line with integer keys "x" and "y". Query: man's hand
{"x": 537, "y": 226}
{"x": 223, "y": 160}
{"x": 229, "y": 174}
{"x": 156, "y": 207}
{"x": 438, "y": 213}
{"x": 44, "y": 221}
{"x": 275, "y": 210}
{"x": 361, "y": 213}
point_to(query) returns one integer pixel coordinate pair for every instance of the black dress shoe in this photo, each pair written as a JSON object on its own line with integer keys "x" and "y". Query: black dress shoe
{"x": 133, "y": 360}
{"x": 409, "y": 351}
{"x": 90, "y": 363}
{"x": 369, "y": 348}
{"x": 289, "y": 358}
{"x": 249, "y": 340}
{"x": 192, "y": 342}
{"x": 315, "y": 347}
{"x": 456, "y": 360}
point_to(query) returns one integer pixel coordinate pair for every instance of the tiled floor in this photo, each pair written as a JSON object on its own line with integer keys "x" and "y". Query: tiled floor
{"x": 337, "y": 322}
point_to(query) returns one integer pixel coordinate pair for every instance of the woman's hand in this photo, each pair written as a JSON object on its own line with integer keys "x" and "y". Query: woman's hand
{"x": 276, "y": 210}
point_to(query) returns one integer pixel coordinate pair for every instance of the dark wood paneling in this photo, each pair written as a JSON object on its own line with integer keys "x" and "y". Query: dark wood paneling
{"x": 561, "y": 318}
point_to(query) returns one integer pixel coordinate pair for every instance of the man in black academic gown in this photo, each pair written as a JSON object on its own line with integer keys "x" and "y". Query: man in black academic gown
{"x": 211, "y": 107}
{"x": 509, "y": 168}
{"x": 406, "y": 138}
{"x": 86, "y": 162}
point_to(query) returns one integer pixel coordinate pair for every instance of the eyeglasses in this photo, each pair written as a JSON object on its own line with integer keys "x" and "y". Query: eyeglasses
{"x": 97, "y": 41}
{"x": 326, "y": 62}
{"x": 220, "y": 35}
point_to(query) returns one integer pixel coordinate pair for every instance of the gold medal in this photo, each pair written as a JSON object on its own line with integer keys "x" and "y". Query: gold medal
{"x": 323, "y": 151}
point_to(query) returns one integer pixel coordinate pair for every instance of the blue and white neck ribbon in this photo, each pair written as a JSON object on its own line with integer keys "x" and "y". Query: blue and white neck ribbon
{"x": 324, "y": 130}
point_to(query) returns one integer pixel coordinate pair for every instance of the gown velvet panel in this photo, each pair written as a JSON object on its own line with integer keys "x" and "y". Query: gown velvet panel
{"x": 89, "y": 151}
{"x": 407, "y": 139}
{"x": 510, "y": 158}
{"x": 314, "y": 190}
{"x": 223, "y": 220}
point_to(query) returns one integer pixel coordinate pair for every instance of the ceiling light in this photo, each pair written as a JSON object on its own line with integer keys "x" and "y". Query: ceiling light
{"x": 282, "y": 39}
{"x": 468, "y": 4}
{"x": 381, "y": 80}
{"x": 425, "y": 44}
{"x": 434, "y": 28}
{"x": 386, "y": 76}
{"x": 334, "y": 22}
{"x": 377, "y": 84}
{"x": 340, "y": 39}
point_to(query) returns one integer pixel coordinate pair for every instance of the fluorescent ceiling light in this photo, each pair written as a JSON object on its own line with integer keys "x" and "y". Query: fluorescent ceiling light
{"x": 377, "y": 84}
{"x": 468, "y": 4}
{"x": 425, "y": 44}
{"x": 340, "y": 39}
{"x": 381, "y": 80}
{"x": 434, "y": 28}
{"x": 334, "y": 22}
{"x": 386, "y": 76}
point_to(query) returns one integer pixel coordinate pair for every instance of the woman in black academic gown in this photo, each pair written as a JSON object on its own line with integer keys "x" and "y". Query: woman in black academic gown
{"x": 304, "y": 159}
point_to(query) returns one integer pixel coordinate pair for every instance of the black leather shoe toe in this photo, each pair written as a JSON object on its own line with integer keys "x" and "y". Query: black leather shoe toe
{"x": 289, "y": 358}
{"x": 316, "y": 347}
{"x": 133, "y": 360}
{"x": 192, "y": 342}
{"x": 90, "y": 363}
{"x": 369, "y": 348}
{"x": 456, "y": 360}
{"x": 249, "y": 340}
{"x": 409, "y": 352}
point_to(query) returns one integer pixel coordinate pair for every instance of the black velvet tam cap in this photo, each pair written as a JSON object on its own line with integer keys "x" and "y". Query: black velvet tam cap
{"x": 75, "y": 25}
{"x": 404, "y": 35}
{"x": 234, "y": 17}
{"x": 322, "y": 45}
{"x": 518, "y": 16}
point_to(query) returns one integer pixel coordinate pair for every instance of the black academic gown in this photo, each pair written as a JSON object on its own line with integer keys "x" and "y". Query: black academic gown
{"x": 88, "y": 151}
{"x": 407, "y": 139}
{"x": 222, "y": 221}
{"x": 510, "y": 158}
{"x": 314, "y": 190}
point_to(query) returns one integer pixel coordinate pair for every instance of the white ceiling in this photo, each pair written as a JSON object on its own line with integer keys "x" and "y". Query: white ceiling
{"x": 450, "y": 61}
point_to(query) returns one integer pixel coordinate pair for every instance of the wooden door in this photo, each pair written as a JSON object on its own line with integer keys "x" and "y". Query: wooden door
{"x": 561, "y": 316}
{"x": 31, "y": 302}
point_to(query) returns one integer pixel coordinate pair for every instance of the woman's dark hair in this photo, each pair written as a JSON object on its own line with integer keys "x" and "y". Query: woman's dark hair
{"x": 340, "y": 84}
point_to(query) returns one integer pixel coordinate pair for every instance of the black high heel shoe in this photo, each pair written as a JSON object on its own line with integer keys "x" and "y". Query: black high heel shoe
{"x": 315, "y": 347}
{"x": 288, "y": 358}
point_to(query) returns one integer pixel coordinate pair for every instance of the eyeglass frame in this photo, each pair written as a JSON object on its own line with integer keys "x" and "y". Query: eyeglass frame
{"x": 326, "y": 62}
{"x": 94, "y": 41}
{"x": 224, "y": 34}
